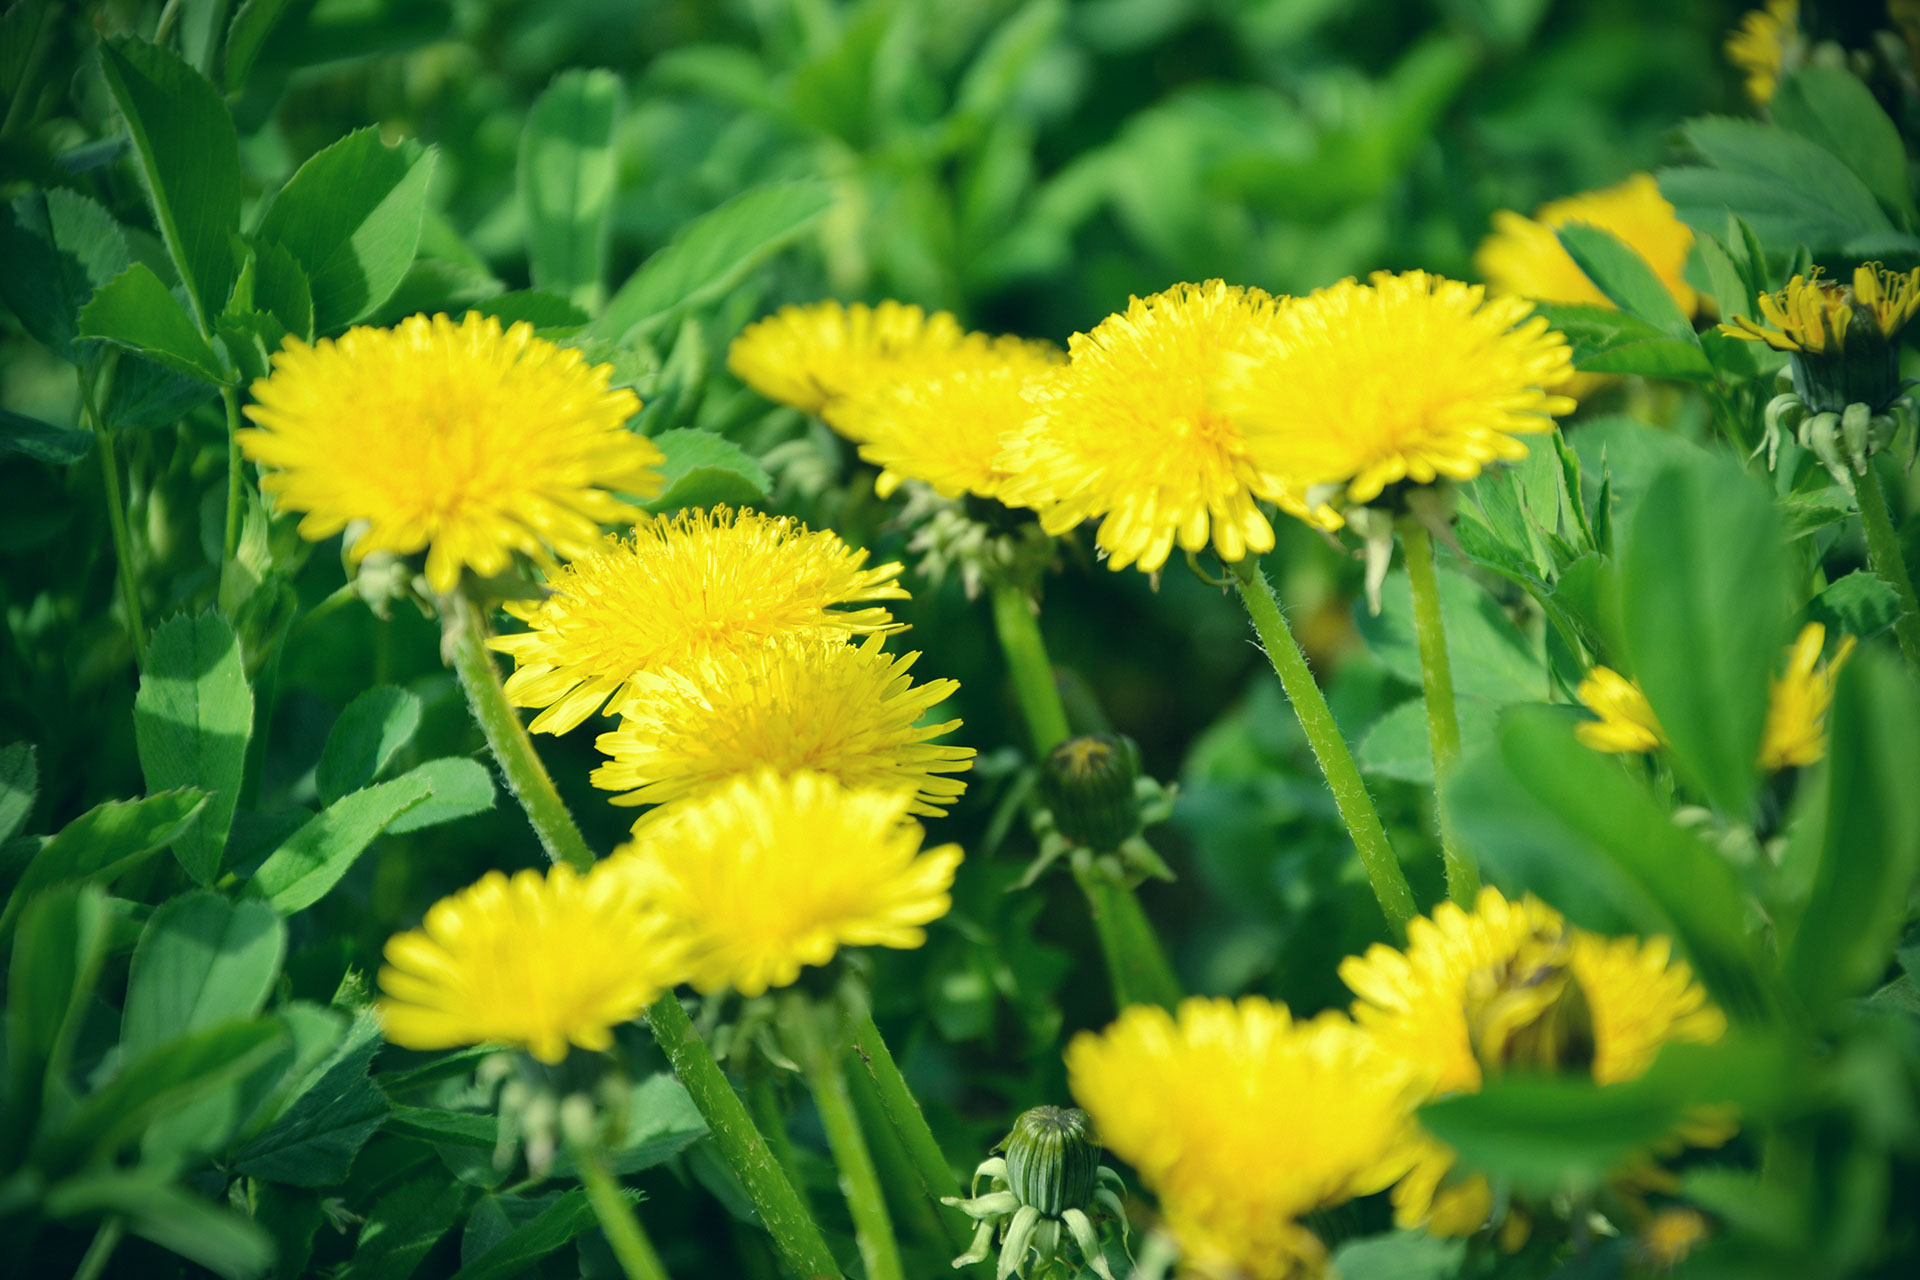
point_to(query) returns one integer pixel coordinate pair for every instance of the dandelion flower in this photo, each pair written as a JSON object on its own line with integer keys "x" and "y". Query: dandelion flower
{"x": 457, "y": 438}
{"x": 813, "y": 703}
{"x": 1626, "y": 724}
{"x": 770, "y": 873}
{"x": 1408, "y": 378}
{"x": 1523, "y": 256}
{"x": 1759, "y": 45}
{"x": 535, "y": 962}
{"x": 1512, "y": 985}
{"x": 1813, "y": 314}
{"x": 677, "y": 591}
{"x": 818, "y": 356}
{"x": 1130, "y": 432}
{"x": 1241, "y": 1120}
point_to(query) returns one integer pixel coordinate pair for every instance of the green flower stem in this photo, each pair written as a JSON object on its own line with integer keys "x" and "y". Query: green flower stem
{"x": 116, "y": 520}
{"x": 617, "y": 1218}
{"x": 106, "y": 1238}
{"x": 763, "y": 1104}
{"x": 1136, "y": 964}
{"x": 1443, "y": 717}
{"x": 803, "y": 1251}
{"x": 1329, "y": 748}
{"x": 235, "y": 472}
{"x": 818, "y": 1051}
{"x": 1883, "y": 552}
{"x": 1032, "y": 672}
{"x": 508, "y": 738}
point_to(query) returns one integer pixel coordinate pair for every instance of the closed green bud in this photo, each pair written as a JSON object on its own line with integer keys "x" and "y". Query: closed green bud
{"x": 1053, "y": 1162}
{"x": 1088, "y": 784}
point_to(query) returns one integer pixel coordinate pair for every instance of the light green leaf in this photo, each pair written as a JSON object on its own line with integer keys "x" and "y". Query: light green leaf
{"x": 1400, "y": 1255}
{"x": 541, "y": 310}
{"x": 567, "y": 174}
{"x": 202, "y": 23}
{"x": 19, "y": 783}
{"x": 135, "y": 310}
{"x": 1491, "y": 658}
{"x": 1831, "y": 107}
{"x": 43, "y": 441}
{"x": 56, "y": 959}
{"x": 1625, "y": 277}
{"x": 282, "y": 290}
{"x": 192, "y": 719}
{"x": 59, "y": 247}
{"x": 103, "y": 842}
{"x": 461, "y": 788}
{"x": 201, "y": 961}
{"x": 224, "y": 1242}
{"x": 1398, "y": 746}
{"x": 703, "y": 469}
{"x": 375, "y": 725}
{"x": 300, "y": 872}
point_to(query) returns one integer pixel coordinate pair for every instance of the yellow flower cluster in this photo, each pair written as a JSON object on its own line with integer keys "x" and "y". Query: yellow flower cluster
{"x": 1759, "y": 46}
{"x": 1813, "y": 315}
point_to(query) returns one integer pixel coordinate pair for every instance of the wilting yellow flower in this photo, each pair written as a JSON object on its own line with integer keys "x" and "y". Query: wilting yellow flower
{"x": 769, "y": 873}
{"x": 1410, "y": 377}
{"x": 946, "y": 429}
{"x": 1813, "y": 315}
{"x": 813, "y": 703}
{"x": 1511, "y": 985}
{"x": 680, "y": 590}
{"x": 534, "y": 962}
{"x": 1523, "y": 256}
{"x": 1241, "y": 1120}
{"x": 1758, "y": 46}
{"x": 456, "y": 438}
{"x": 1626, "y": 723}
{"x": 1131, "y": 432}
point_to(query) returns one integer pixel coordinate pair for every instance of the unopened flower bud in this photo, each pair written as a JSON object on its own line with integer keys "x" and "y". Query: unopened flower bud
{"x": 1053, "y": 1162}
{"x": 1088, "y": 784}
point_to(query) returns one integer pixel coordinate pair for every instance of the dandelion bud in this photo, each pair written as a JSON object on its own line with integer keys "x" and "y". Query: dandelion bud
{"x": 1841, "y": 339}
{"x": 1052, "y": 1161}
{"x": 1088, "y": 784}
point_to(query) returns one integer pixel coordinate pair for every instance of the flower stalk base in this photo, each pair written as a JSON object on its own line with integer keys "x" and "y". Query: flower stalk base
{"x": 1443, "y": 718}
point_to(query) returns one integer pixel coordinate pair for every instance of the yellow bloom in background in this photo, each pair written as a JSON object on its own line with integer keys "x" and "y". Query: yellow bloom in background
{"x": 1131, "y": 433}
{"x": 946, "y": 430}
{"x": 1409, "y": 377}
{"x": 813, "y": 703}
{"x": 1813, "y": 315}
{"x": 534, "y": 962}
{"x": 457, "y": 438}
{"x": 1511, "y": 985}
{"x": 679, "y": 590}
{"x": 1523, "y": 256}
{"x": 1241, "y": 1120}
{"x": 1758, "y": 46}
{"x": 770, "y": 873}
{"x": 1626, "y": 723}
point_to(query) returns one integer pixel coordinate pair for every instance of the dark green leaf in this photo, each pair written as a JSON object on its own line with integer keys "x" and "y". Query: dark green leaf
{"x": 146, "y": 394}
{"x": 189, "y": 158}
{"x": 566, "y": 177}
{"x": 703, "y": 469}
{"x": 461, "y": 788}
{"x": 299, "y": 873}
{"x": 553, "y": 1227}
{"x": 60, "y": 446}
{"x": 135, "y": 310}
{"x": 1625, "y": 277}
{"x": 202, "y": 960}
{"x": 252, "y": 24}
{"x": 224, "y": 1242}
{"x": 375, "y": 725}
{"x": 283, "y": 291}
{"x": 351, "y": 218}
{"x": 314, "y": 1142}
{"x": 1815, "y": 509}
{"x": 1831, "y": 107}
{"x": 662, "y": 1121}
{"x": 59, "y": 247}
{"x": 1860, "y": 604}
{"x": 103, "y": 842}
{"x": 248, "y": 339}
{"x": 541, "y": 310}
{"x": 192, "y": 720}
{"x": 56, "y": 958}
{"x": 451, "y": 1128}
{"x": 19, "y": 783}
{"x": 403, "y": 1227}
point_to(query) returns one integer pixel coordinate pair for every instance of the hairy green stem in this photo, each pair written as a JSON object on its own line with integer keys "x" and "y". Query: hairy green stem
{"x": 1329, "y": 748}
{"x": 230, "y": 542}
{"x": 764, "y": 1106}
{"x": 803, "y": 1250}
{"x": 1443, "y": 717}
{"x": 625, "y": 1235}
{"x": 106, "y": 1238}
{"x": 116, "y": 520}
{"x": 1883, "y": 553}
{"x": 1137, "y": 966}
{"x": 817, "y": 1049}
{"x": 1033, "y": 683}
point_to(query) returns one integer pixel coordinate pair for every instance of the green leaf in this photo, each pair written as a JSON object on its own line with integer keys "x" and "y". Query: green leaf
{"x": 662, "y": 1121}
{"x": 60, "y": 446}
{"x": 224, "y": 1242}
{"x": 402, "y": 1228}
{"x": 1660, "y": 358}
{"x": 314, "y": 1142}
{"x": 1401, "y": 1255}
{"x": 703, "y": 469}
{"x": 1398, "y": 747}
{"x": 135, "y": 310}
{"x": 375, "y": 725}
{"x": 1832, "y": 108}
{"x": 567, "y": 175}
{"x": 252, "y": 25}
{"x": 541, "y": 310}
{"x": 283, "y": 291}
{"x": 19, "y": 783}
{"x": 202, "y": 23}
{"x": 550, "y": 1229}
{"x": 247, "y": 339}
{"x": 1703, "y": 570}
{"x": 146, "y": 394}
{"x": 56, "y": 960}
{"x": 201, "y": 961}
{"x": 710, "y": 255}
{"x": 189, "y": 159}
{"x": 59, "y": 247}
{"x": 192, "y": 720}
{"x": 1625, "y": 277}
{"x": 103, "y": 842}
{"x": 1860, "y": 604}
{"x": 351, "y": 218}
{"x": 1870, "y": 857}
{"x": 301, "y": 871}
{"x": 461, "y": 788}
{"x": 445, "y": 1128}
{"x": 1491, "y": 658}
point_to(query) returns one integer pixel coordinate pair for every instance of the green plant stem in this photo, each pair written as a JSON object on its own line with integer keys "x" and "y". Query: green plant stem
{"x": 100, "y": 1251}
{"x": 1883, "y": 552}
{"x": 1137, "y": 966}
{"x": 508, "y": 739}
{"x": 116, "y": 520}
{"x": 802, "y": 1249}
{"x": 764, "y": 1106}
{"x": 1329, "y": 748}
{"x": 1032, "y": 671}
{"x": 617, "y": 1218}
{"x": 230, "y": 542}
{"x": 1443, "y": 717}
{"x": 817, "y": 1050}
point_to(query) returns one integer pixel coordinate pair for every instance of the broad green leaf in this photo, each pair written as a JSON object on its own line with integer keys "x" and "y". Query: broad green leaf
{"x": 351, "y": 218}
{"x": 552, "y": 1228}
{"x": 103, "y": 842}
{"x": 461, "y": 788}
{"x": 445, "y": 1128}
{"x": 244, "y": 1106}
{"x": 56, "y": 959}
{"x": 43, "y": 441}
{"x": 1625, "y": 277}
{"x": 1491, "y": 658}
{"x": 703, "y": 470}
{"x": 1771, "y": 153}
{"x": 541, "y": 310}
{"x": 1398, "y": 746}
{"x": 146, "y": 394}
{"x": 375, "y": 725}
{"x": 135, "y": 310}
{"x": 202, "y": 961}
{"x": 283, "y": 291}
{"x": 710, "y": 256}
{"x": 1399, "y": 1255}
{"x": 1703, "y": 571}
{"x": 662, "y": 1121}
{"x": 1728, "y": 283}
{"x": 567, "y": 174}
{"x": 19, "y": 783}
{"x": 192, "y": 719}
{"x": 301, "y": 871}
{"x": 1661, "y": 358}
{"x": 59, "y": 247}
{"x": 246, "y": 341}
{"x": 1870, "y": 857}
{"x": 314, "y": 1141}
{"x": 1860, "y": 604}
{"x": 1832, "y": 108}
{"x": 147, "y": 1201}
{"x": 402, "y": 1227}
{"x": 189, "y": 159}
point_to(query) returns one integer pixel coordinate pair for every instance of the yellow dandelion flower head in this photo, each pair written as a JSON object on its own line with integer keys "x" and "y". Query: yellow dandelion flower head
{"x": 769, "y": 873}
{"x": 945, "y": 430}
{"x": 815, "y": 356}
{"x": 1523, "y": 256}
{"x": 1130, "y": 432}
{"x": 678, "y": 590}
{"x": 1796, "y": 724}
{"x": 1626, "y": 724}
{"x": 1814, "y": 314}
{"x": 459, "y": 438}
{"x": 1758, "y": 46}
{"x": 1411, "y": 377}
{"x": 1241, "y": 1119}
{"x": 811, "y": 703}
{"x": 1670, "y": 1237}
{"x": 536, "y": 962}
